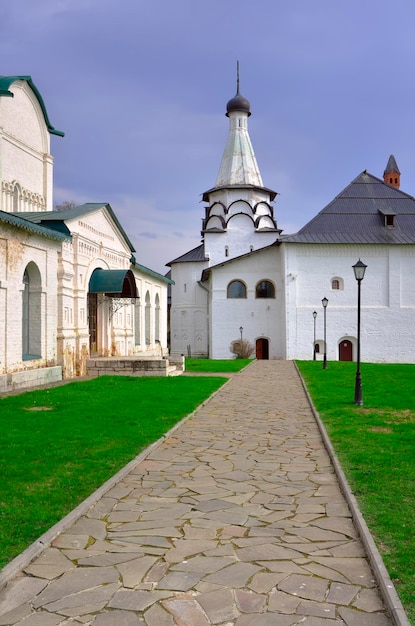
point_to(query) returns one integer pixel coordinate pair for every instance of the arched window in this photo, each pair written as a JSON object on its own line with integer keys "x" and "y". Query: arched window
{"x": 265, "y": 289}
{"x": 31, "y": 313}
{"x": 147, "y": 315}
{"x": 236, "y": 289}
{"x": 157, "y": 318}
{"x": 337, "y": 283}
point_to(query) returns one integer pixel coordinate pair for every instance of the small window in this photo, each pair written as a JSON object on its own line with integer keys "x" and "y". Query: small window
{"x": 389, "y": 220}
{"x": 265, "y": 289}
{"x": 236, "y": 289}
{"x": 337, "y": 283}
{"x": 226, "y": 250}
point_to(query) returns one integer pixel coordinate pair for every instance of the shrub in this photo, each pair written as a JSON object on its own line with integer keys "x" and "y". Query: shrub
{"x": 242, "y": 349}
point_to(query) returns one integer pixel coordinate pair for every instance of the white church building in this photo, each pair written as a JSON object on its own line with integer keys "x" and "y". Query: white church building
{"x": 249, "y": 280}
{"x": 70, "y": 285}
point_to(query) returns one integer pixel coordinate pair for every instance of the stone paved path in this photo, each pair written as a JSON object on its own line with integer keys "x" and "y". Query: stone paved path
{"x": 236, "y": 519}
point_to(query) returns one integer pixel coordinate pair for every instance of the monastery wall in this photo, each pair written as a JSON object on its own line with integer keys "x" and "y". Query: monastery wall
{"x": 20, "y": 252}
{"x": 387, "y": 301}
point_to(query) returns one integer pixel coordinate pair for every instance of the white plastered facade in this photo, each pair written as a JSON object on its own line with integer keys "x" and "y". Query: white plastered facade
{"x": 26, "y": 165}
{"x": 237, "y": 245}
{"x": 45, "y": 329}
{"x": 387, "y": 301}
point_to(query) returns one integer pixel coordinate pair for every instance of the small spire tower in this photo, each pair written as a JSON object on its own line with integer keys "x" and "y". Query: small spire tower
{"x": 238, "y": 165}
{"x": 392, "y": 175}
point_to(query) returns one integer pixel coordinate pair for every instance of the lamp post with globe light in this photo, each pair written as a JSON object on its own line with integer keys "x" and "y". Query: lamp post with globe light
{"x": 359, "y": 269}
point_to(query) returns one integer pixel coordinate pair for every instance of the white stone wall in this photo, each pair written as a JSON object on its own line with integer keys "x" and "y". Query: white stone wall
{"x": 239, "y": 209}
{"x": 157, "y": 292}
{"x": 189, "y": 313}
{"x": 17, "y": 250}
{"x": 259, "y": 317}
{"x": 240, "y": 238}
{"x": 387, "y": 301}
{"x": 97, "y": 244}
{"x": 25, "y": 157}
{"x": 60, "y": 301}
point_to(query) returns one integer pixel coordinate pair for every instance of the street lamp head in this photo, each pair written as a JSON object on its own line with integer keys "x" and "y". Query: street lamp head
{"x": 314, "y": 314}
{"x": 359, "y": 269}
{"x": 241, "y": 328}
{"x": 324, "y": 302}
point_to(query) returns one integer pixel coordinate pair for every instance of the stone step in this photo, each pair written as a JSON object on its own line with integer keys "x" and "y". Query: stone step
{"x": 173, "y": 371}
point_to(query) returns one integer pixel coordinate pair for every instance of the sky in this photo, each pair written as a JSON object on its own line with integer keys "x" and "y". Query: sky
{"x": 140, "y": 91}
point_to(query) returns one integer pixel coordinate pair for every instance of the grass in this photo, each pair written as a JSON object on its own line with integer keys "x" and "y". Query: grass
{"x": 375, "y": 444}
{"x": 216, "y": 365}
{"x": 59, "y": 445}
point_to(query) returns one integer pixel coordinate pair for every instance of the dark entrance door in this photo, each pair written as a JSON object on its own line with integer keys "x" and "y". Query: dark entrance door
{"x": 345, "y": 350}
{"x": 262, "y": 349}
{"x": 92, "y": 322}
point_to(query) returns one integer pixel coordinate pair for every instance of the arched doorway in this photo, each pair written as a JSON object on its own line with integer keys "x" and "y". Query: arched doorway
{"x": 106, "y": 286}
{"x": 345, "y": 350}
{"x": 92, "y": 302}
{"x": 262, "y": 349}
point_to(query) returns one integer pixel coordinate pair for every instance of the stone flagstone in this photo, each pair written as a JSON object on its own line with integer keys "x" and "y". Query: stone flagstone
{"x": 235, "y": 519}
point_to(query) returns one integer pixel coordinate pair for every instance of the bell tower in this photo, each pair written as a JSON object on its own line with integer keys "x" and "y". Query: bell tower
{"x": 239, "y": 217}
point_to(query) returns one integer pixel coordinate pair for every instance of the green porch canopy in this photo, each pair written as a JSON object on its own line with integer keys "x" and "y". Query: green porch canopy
{"x": 114, "y": 283}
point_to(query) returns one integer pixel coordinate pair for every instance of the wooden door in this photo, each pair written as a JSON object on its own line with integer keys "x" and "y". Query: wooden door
{"x": 92, "y": 323}
{"x": 345, "y": 350}
{"x": 262, "y": 349}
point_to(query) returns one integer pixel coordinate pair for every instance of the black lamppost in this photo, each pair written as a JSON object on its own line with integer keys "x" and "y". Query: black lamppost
{"x": 359, "y": 269}
{"x": 325, "y": 302}
{"x": 241, "y": 330}
{"x": 314, "y": 343}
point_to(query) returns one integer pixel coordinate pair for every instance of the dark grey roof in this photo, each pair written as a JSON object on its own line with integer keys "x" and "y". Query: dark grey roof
{"x": 197, "y": 254}
{"x": 55, "y": 219}
{"x": 357, "y": 215}
{"x": 20, "y": 222}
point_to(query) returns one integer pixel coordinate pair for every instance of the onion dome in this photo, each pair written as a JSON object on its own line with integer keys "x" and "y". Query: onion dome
{"x": 238, "y": 103}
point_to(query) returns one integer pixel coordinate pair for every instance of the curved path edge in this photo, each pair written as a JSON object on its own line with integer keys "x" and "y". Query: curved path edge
{"x": 386, "y": 585}
{"x": 18, "y": 564}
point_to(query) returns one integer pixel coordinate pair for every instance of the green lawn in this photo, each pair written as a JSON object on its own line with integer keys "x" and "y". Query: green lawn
{"x": 59, "y": 445}
{"x": 216, "y": 365}
{"x": 375, "y": 444}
